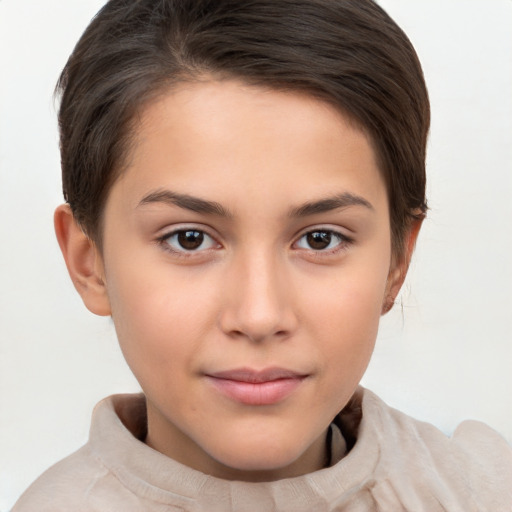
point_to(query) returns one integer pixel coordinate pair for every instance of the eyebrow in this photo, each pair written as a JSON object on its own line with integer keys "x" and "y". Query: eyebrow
{"x": 328, "y": 204}
{"x": 204, "y": 206}
{"x": 185, "y": 201}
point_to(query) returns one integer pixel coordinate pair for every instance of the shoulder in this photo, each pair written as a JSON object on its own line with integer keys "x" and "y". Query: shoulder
{"x": 78, "y": 483}
{"x": 83, "y": 481}
{"x": 473, "y": 446}
{"x": 485, "y": 456}
{"x": 472, "y": 466}
{"x": 64, "y": 485}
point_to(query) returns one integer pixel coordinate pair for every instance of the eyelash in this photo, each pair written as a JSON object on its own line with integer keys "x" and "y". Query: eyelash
{"x": 184, "y": 253}
{"x": 343, "y": 242}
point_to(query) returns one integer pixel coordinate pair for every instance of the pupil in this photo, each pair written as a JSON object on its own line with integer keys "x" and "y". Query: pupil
{"x": 190, "y": 239}
{"x": 319, "y": 239}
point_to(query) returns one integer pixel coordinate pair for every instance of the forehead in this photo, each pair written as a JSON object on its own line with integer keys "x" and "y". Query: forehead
{"x": 214, "y": 138}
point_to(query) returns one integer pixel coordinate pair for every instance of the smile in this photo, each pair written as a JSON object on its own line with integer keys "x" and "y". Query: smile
{"x": 251, "y": 387}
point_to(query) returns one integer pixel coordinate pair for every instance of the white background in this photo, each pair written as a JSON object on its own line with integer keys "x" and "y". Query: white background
{"x": 443, "y": 357}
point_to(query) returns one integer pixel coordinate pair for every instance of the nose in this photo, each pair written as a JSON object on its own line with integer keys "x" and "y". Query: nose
{"x": 258, "y": 299}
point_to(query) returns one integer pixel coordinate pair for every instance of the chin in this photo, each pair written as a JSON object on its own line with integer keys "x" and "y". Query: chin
{"x": 259, "y": 462}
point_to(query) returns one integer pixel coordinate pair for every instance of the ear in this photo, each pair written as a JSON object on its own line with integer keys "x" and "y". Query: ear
{"x": 399, "y": 268}
{"x": 83, "y": 260}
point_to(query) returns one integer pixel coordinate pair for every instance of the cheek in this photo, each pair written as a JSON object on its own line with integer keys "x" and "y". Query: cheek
{"x": 351, "y": 298}
{"x": 158, "y": 315}
{"x": 344, "y": 318}
{"x": 350, "y": 329}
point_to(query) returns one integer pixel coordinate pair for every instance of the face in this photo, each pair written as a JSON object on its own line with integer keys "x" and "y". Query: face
{"x": 246, "y": 261}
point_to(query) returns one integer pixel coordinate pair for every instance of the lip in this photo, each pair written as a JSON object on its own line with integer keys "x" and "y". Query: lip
{"x": 256, "y": 387}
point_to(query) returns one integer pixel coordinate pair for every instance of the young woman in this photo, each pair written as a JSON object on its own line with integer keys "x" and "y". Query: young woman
{"x": 244, "y": 185}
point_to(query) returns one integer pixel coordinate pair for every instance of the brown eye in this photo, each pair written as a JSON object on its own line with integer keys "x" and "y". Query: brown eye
{"x": 322, "y": 240}
{"x": 188, "y": 240}
{"x": 319, "y": 240}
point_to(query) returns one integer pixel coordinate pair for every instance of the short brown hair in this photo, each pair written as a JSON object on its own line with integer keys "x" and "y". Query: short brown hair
{"x": 349, "y": 53}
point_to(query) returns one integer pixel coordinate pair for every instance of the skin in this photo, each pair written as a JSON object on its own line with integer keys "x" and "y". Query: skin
{"x": 255, "y": 293}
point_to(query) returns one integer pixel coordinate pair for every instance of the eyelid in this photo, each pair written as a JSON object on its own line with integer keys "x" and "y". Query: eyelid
{"x": 345, "y": 240}
{"x": 179, "y": 228}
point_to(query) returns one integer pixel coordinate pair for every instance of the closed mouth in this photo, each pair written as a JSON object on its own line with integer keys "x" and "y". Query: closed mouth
{"x": 257, "y": 387}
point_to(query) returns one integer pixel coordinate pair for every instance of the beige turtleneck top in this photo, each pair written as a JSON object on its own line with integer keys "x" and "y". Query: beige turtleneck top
{"x": 381, "y": 460}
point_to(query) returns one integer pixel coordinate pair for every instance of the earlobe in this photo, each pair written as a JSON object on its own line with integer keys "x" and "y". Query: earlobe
{"x": 83, "y": 260}
{"x": 399, "y": 269}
